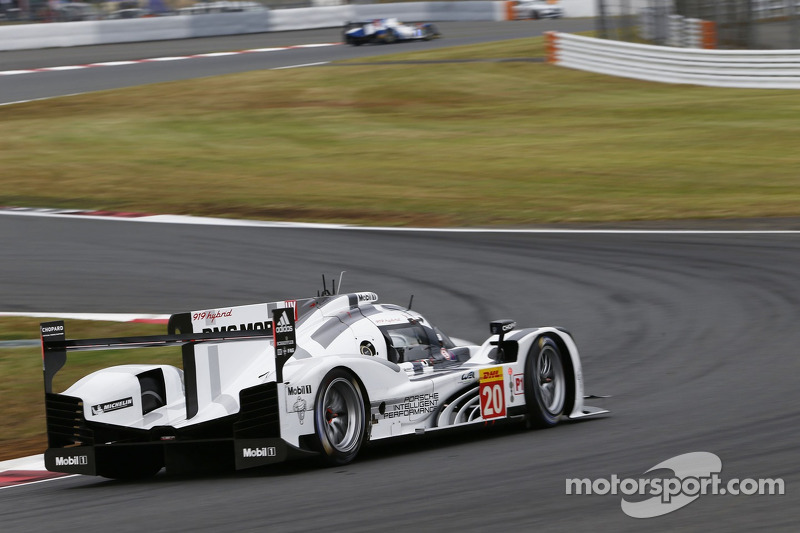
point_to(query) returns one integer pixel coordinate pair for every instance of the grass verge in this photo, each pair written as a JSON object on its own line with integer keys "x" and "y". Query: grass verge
{"x": 412, "y": 144}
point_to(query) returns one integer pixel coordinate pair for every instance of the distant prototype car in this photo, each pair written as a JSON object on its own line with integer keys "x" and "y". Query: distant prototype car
{"x": 537, "y": 9}
{"x": 318, "y": 377}
{"x": 387, "y": 31}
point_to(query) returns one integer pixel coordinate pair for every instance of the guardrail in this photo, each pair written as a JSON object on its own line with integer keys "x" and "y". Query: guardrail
{"x": 756, "y": 69}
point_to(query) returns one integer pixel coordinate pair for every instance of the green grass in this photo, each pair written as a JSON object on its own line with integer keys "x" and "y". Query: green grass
{"x": 436, "y": 144}
{"x": 22, "y": 425}
{"x": 515, "y": 48}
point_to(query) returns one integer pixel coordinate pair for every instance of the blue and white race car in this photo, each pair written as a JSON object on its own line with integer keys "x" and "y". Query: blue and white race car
{"x": 387, "y": 31}
{"x": 320, "y": 376}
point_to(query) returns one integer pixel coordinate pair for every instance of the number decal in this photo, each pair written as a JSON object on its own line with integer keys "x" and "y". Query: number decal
{"x": 492, "y": 392}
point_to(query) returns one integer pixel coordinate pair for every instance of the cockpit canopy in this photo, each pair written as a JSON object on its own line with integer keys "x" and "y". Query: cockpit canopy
{"x": 414, "y": 341}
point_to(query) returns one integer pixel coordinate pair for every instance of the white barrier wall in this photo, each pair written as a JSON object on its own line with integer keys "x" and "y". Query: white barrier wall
{"x": 579, "y": 8}
{"x": 758, "y": 69}
{"x": 62, "y": 34}
{"x": 133, "y": 30}
{"x": 308, "y": 17}
{"x": 588, "y": 8}
{"x": 246, "y": 22}
{"x": 24, "y": 36}
{"x": 334, "y": 16}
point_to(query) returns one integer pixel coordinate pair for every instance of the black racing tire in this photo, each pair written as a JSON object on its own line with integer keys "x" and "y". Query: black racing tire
{"x": 391, "y": 36}
{"x": 545, "y": 383}
{"x": 340, "y": 417}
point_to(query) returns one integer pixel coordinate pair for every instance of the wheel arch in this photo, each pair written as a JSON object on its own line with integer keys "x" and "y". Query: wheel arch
{"x": 320, "y": 441}
{"x": 365, "y": 396}
{"x": 572, "y": 364}
{"x": 569, "y": 369}
{"x": 360, "y": 381}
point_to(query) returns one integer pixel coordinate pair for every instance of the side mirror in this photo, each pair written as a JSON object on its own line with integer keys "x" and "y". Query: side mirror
{"x": 501, "y": 327}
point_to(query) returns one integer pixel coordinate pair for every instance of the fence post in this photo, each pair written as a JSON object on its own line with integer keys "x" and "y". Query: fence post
{"x": 601, "y": 22}
{"x": 691, "y": 36}
{"x": 510, "y": 15}
{"x": 708, "y": 34}
{"x": 552, "y": 46}
{"x": 793, "y": 21}
{"x": 675, "y": 34}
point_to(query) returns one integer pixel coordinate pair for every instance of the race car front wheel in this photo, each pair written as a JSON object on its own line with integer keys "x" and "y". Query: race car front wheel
{"x": 431, "y": 32}
{"x": 545, "y": 383}
{"x": 340, "y": 417}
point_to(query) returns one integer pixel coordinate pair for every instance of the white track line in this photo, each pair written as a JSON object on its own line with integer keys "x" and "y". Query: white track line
{"x": 303, "y": 65}
{"x": 209, "y": 221}
{"x": 38, "y": 99}
{"x": 112, "y": 64}
{"x": 40, "y": 481}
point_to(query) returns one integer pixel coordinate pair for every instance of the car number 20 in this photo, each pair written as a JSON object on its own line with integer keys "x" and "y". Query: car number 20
{"x": 492, "y": 392}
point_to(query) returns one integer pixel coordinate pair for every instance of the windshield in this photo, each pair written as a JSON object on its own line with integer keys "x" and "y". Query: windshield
{"x": 409, "y": 342}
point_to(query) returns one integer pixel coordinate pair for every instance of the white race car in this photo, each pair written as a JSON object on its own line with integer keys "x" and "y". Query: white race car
{"x": 537, "y": 9}
{"x": 320, "y": 376}
{"x": 387, "y": 31}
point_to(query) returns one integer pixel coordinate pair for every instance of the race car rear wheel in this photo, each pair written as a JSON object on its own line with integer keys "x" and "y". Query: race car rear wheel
{"x": 545, "y": 383}
{"x": 340, "y": 419}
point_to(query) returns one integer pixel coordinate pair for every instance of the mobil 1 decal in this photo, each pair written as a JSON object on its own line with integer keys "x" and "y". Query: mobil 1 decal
{"x": 284, "y": 335}
{"x": 492, "y": 392}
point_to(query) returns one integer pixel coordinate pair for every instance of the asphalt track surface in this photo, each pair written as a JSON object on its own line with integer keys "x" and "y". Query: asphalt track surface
{"x": 694, "y": 335}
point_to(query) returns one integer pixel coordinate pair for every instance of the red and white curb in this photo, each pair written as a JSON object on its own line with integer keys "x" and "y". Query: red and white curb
{"x": 161, "y": 219}
{"x": 210, "y": 221}
{"x": 168, "y": 59}
{"x": 26, "y": 471}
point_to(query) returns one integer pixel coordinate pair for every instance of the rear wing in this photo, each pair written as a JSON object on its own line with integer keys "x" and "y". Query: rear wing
{"x": 55, "y": 345}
